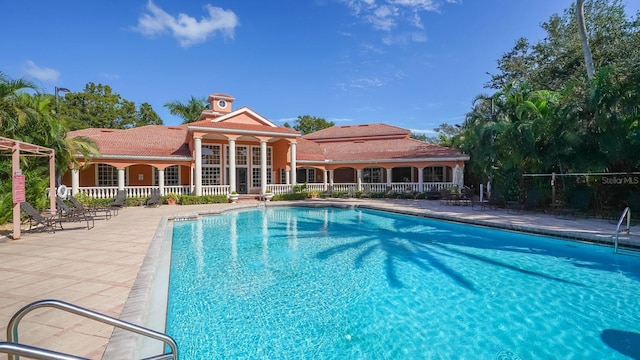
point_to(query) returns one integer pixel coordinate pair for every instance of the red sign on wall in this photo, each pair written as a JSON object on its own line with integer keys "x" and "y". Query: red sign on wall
{"x": 18, "y": 189}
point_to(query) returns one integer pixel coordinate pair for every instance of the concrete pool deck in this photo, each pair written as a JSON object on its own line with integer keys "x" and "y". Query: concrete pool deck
{"x": 97, "y": 268}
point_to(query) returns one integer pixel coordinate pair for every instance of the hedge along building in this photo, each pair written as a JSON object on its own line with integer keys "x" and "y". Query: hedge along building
{"x": 240, "y": 150}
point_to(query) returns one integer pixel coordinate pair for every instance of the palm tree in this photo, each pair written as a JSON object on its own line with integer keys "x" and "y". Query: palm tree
{"x": 582, "y": 30}
{"x": 42, "y": 128}
{"x": 11, "y": 114}
{"x": 190, "y": 111}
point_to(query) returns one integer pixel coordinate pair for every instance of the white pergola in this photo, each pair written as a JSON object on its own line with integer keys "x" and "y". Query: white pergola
{"x": 15, "y": 147}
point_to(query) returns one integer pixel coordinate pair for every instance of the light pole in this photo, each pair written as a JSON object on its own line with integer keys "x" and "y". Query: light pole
{"x": 58, "y": 89}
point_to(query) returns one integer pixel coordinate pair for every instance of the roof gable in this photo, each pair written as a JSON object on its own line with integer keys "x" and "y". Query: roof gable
{"x": 244, "y": 116}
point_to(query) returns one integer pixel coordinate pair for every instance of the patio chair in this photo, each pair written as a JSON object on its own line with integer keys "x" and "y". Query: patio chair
{"x": 120, "y": 200}
{"x": 408, "y": 193}
{"x": 432, "y": 194}
{"x": 93, "y": 210}
{"x": 68, "y": 213}
{"x": 478, "y": 205}
{"x": 447, "y": 197}
{"x": 390, "y": 193}
{"x": 36, "y": 219}
{"x": 366, "y": 192}
{"x": 155, "y": 199}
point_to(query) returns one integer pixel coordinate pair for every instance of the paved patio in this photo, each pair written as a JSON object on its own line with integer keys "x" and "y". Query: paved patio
{"x": 97, "y": 268}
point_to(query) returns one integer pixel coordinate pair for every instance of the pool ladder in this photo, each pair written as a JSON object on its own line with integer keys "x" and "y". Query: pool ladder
{"x": 14, "y": 349}
{"x": 626, "y": 213}
{"x": 262, "y": 202}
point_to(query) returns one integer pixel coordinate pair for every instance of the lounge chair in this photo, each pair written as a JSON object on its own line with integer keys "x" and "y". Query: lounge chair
{"x": 390, "y": 193}
{"x": 432, "y": 194}
{"x": 68, "y": 213}
{"x": 120, "y": 200}
{"x": 93, "y": 210}
{"x": 447, "y": 197}
{"x": 366, "y": 192}
{"x": 408, "y": 193}
{"x": 50, "y": 222}
{"x": 155, "y": 199}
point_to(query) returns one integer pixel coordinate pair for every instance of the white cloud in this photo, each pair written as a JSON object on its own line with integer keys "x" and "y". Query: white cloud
{"x": 420, "y": 131}
{"x": 364, "y": 83}
{"x": 391, "y": 14}
{"x": 41, "y": 73}
{"x": 187, "y": 29}
{"x": 110, "y": 76}
{"x": 405, "y": 38}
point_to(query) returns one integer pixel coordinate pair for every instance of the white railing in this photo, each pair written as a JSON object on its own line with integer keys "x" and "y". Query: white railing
{"x": 280, "y": 188}
{"x": 99, "y": 192}
{"x": 180, "y": 190}
{"x": 216, "y": 190}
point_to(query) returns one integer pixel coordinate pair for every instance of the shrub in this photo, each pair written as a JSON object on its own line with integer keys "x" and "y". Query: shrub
{"x": 293, "y": 196}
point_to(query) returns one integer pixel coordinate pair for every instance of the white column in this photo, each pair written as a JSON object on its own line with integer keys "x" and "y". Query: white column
{"x": 198, "y": 174}
{"x": 287, "y": 175}
{"x": 359, "y": 179}
{"x": 121, "y": 179}
{"x": 75, "y": 181}
{"x": 389, "y": 176}
{"x": 325, "y": 176}
{"x": 420, "y": 177}
{"x": 232, "y": 165}
{"x": 330, "y": 177}
{"x": 293, "y": 164}
{"x": 161, "y": 181}
{"x": 263, "y": 167}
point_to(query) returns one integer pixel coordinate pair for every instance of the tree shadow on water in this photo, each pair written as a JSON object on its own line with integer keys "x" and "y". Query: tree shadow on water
{"x": 401, "y": 244}
{"x": 625, "y": 342}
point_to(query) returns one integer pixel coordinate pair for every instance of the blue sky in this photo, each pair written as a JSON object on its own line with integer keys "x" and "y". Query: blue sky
{"x": 409, "y": 63}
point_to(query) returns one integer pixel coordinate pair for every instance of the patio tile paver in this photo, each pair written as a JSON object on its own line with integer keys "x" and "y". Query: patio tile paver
{"x": 97, "y": 268}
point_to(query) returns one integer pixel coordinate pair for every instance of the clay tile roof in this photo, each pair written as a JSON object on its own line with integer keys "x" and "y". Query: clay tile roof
{"x": 357, "y": 131}
{"x": 150, "y": 140}
{"x": 309, "y": 150}
{"x": 385, "y": 149}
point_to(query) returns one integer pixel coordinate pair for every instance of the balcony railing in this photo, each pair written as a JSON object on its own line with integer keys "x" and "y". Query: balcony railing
{"x": 144, "y": 191}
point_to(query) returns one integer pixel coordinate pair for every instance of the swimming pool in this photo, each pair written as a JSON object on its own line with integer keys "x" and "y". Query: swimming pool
{"x": 328, "y": 283}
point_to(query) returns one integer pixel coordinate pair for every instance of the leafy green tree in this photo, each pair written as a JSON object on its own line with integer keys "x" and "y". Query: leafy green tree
{"x": 558, "y": 59}
{"x": 148, "y": 116}
{"x": 189, "y": 111}
{"x": 307, "y": 124}
{"x": 11, "y": 114}
{"x": 97, "y": 106}
{"x": 37, "y": 125}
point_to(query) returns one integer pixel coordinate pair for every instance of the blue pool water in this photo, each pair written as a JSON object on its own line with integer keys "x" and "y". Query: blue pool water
{"x": 327, "y": 283}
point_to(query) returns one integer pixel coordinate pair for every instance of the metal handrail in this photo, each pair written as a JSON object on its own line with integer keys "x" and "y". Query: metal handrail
{"x": 627, "y": 213}
{"x": 34, "y": 352}
{"x": 12, "y": 328}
